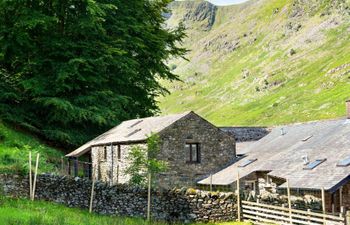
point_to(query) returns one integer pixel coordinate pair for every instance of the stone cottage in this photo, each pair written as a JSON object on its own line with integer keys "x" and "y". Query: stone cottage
{"x": 190, "y": 145}
{"x": 311, "y": 156}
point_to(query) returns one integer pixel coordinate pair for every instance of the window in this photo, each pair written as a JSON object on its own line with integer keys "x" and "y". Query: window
{"x": 314, "y": 164}
{"x": 193, "y": 149}
{"x": 104, "y": 155}
{"x": 119, "y": 153}
{"x": 344, "y": 162}
{"x": 246, "y": 162}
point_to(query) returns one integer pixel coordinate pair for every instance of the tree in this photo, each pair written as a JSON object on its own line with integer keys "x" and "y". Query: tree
{"x": 70, "y": 69}
{"x": 143, "y": 161}
{"x": 145, "y": 165}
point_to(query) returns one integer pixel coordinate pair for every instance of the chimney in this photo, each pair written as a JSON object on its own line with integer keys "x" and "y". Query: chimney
{"x": 348, "y": 109}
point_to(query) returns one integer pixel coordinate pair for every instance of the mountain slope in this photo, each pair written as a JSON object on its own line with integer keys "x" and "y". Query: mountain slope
{"x": 14, "y": 151}
{"x": 264, "y": 62}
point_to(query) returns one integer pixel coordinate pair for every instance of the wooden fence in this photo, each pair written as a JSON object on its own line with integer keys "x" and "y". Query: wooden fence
{"x": 73, "y": 167}
{"x": 263, "y": 213}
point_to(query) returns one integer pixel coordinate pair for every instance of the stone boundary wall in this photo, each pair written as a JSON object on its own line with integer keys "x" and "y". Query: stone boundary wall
{"x": 183, "y": 205}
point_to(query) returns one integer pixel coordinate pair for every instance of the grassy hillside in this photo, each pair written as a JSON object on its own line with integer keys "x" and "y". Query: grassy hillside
{"x": 14, "y": 151}
{"x": 265, "y": 62}
{"x": 24, "y": 212}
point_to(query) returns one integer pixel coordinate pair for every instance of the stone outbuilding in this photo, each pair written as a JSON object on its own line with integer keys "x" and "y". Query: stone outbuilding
{"x": 192, "y": 147}
{"x": 311, "y": 156}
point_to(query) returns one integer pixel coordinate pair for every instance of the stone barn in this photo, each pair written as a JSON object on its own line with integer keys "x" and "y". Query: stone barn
{"x": 192, "y": 147}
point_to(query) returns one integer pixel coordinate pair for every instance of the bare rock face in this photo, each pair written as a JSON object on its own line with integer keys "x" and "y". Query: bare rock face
{"x": 204, "y": 11}
{"x": 199, "y": 14}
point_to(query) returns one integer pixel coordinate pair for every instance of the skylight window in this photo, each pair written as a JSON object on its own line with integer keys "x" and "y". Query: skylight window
{"x": 314, "y": 164}
{"x": 134, "y": 124}
{"x": 307, "y": 138}
{"x": 132, "y": 133}
{"x": 344, "y": 162}
{"x": 246, "y": 162}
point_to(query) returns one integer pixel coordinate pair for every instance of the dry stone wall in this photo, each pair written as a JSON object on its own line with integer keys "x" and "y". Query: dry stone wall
{"x": 184, "y": 205}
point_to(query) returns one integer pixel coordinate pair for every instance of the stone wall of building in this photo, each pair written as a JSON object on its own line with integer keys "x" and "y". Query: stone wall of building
{"x": 112, "y": 168}
{"x": 184, "y": 205}
{"x": 217, "y": 150}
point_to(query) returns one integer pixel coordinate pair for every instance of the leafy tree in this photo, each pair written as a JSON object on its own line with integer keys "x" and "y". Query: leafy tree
{"x": 70, "y": 69}
{"x": 144, "y": 161}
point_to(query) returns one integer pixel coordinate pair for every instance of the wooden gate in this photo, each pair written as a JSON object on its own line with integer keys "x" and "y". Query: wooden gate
{"x": 263, "y": 213}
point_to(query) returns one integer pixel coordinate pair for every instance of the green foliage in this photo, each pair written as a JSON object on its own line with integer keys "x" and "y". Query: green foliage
{"x": 72, "y": 69}
{"x": 14, "y": 151}
{"x": 144, "y": 161}
{"x": 24, "y": 212}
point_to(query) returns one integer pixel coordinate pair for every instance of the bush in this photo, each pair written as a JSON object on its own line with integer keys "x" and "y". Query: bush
{"x": 7, "y": 159}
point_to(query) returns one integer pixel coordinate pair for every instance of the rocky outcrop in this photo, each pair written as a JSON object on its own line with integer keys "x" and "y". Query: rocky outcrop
{"x": 195, "y": 11}
{"x": 183, "y": 205}
{"x": 204, "y": 11}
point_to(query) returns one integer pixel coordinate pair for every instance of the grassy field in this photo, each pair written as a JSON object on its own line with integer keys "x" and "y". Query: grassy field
{"x": 25, "y": 212}
{"x": 281, "y": 69}
{"x": 14, "y": 150}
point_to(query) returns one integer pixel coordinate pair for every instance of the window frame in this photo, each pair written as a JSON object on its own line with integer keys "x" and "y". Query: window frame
{"x": 119, "y": 152}
{"x": 104, "y": 155}
{"x": 198, "y": 152}
{"x": 314, "y": 164}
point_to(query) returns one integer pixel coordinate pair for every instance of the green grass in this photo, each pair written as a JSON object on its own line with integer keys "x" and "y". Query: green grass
{"x": 14, "y": 151}
{"x": 304, "y": 91}
{"x": 25, "y": 212}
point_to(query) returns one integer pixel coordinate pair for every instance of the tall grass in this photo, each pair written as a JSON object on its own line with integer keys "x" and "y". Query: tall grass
{"x": 14, "y": 149}
{"x": 25, "y": 212}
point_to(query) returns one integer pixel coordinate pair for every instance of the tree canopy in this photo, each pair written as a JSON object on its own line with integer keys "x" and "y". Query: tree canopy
{"x": 70, "y": 69}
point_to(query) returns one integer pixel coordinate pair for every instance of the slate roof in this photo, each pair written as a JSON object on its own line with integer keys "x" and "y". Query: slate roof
{"x": 247, "y": 134}
{"x": 131, "y": 131}
{"x": 281, "y": 155}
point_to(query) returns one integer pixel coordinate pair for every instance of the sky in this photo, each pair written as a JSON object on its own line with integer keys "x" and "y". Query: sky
{"x": 226, "y": 2}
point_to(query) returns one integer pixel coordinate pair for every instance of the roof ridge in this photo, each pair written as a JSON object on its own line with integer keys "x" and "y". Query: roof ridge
{"x": 160, "y": 116}
{"x": 310, "y": 122}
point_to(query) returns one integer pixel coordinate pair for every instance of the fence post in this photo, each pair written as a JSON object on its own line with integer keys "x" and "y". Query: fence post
{"x": 323, "y": 205}
{"x": 342, "y": 213}
{"x": 341, "y": 196}
{"x": 289, "y": 203}
{"x": 347, "y": 216}
{"x": 238, "y": 199}
{"x": 92, "y": 190}
{"x": 149, "y": 198}
{"x": 308, "y": 215}
{"x": 35, "y": 174}
{"x": 30, "y": 175}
